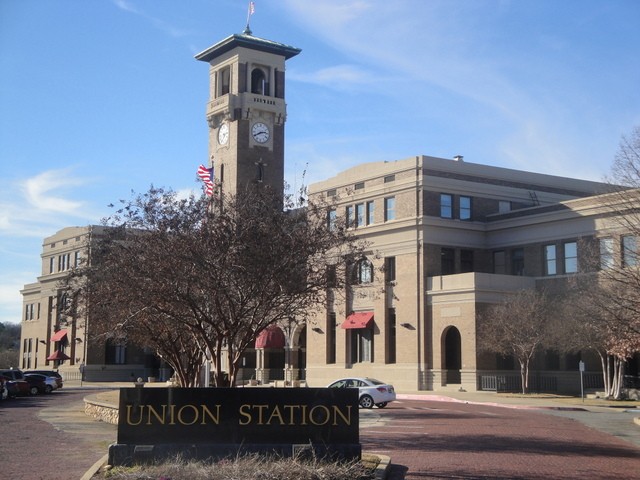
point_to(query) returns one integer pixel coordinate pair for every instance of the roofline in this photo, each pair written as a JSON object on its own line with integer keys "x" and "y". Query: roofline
{"x": 247, "y": 41}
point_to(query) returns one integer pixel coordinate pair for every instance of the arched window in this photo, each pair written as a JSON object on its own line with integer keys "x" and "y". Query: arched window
{"x": 259, "y": 82}
{"x": 364, "y": 271}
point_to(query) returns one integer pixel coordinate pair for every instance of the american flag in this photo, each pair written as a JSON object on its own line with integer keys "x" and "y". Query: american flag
{"x": 252, "y": 8}
{"x": 206, "y": 175}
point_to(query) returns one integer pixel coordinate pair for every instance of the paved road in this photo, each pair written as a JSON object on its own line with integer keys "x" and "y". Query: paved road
{"x": 430, "y": 440}
{"x": 49, "y": 437}
{"x": 62, "y": 447}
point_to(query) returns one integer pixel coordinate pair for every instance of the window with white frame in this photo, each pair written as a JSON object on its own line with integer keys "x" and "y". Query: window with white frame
{"x": 629, "y": 251}
{"x": 370, "y": 212}
{"x": 446, "y": 205}
{"x": 606, "y": 253}
{"x": 350, "y": 216}
{"x": 331, "y": 219}
{"x": 389, "y": 209}
{"x": 361, "y": 340}
{"x": 550, "y": 266}
{"x": 465, "y": 208}
{"x": 570, "y": 257}
{"x": 360, "y": 215}
{"x": 504, "y": 206}
{"x": 364, "y": 271}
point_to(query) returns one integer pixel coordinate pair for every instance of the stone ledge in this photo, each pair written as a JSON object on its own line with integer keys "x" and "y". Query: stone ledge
{"x": 101, "y": 411}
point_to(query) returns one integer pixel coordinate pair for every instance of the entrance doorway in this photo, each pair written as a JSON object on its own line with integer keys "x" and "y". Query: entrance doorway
{"x": 452, "y": 355}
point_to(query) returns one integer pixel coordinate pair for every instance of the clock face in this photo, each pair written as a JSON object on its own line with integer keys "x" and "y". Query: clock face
{"x": 223, "y": 134}
{"x": 260, "y": 132}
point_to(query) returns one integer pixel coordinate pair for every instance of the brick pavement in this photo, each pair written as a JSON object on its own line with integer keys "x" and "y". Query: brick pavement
{"x": 428, "y": 439}
{"x": 63, "y": 447}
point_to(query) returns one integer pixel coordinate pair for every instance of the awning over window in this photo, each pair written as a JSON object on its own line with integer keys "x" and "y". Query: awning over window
{"x": 358, "y": 320}
{"x": 59, "y": 336}
{"x": 58, "y": 355}
{"x": 271, "y": 337}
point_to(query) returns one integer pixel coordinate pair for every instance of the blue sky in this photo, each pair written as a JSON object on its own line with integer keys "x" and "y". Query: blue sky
{"x": 102, "y": 97}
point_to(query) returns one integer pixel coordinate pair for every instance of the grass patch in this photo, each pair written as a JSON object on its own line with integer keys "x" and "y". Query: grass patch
{"x": 249, "y": 467}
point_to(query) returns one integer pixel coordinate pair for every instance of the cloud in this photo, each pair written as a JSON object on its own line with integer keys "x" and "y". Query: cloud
{"x": 156, "y": 22}
{"x": 335, "y": 76}
{"x": 35, "y": 206}
{"x": 38, "y": 191}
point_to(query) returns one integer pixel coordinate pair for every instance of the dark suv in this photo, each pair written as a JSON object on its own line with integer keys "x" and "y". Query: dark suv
{"x": 48, "y": 373}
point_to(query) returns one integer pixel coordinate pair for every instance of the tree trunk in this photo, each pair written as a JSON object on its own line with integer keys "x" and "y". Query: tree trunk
{"x": 524, "y": 375}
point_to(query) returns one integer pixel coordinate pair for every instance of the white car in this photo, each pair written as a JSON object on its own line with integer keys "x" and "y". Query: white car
{"x": 371, "y": 391}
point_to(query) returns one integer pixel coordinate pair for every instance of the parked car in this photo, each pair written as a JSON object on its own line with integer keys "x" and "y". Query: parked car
{"x": 371, "y": 391}
{"x": 48, "y": 373}
{"x": 36, "y": 384}
{"x": 50, "y": 383}
{"x": 17, "y": 387}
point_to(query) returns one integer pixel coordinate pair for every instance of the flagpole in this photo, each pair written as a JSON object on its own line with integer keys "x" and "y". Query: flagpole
{"x": 250, "y": 10}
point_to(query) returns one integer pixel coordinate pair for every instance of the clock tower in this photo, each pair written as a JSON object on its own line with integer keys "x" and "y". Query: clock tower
{"x": 246, "y": 111}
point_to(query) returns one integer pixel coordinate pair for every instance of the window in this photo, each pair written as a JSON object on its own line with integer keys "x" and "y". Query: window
{"x": 550, "y": 260}
{"x": 259, "y": 83}
{"x": 391, "y": 329}
{"x": 447, "y": 261}
{"x": 446, "y": 205}
{"x": 115, "y": 353}
{"x": 350, "y": 219}
{"x": 332, "y": 192}
{"x": 466, "y": 261}
{"x": 390, "y": 269}
{"x": 364, "y": 271}
{"x": 360, "y": 215}
{"x": 465, "y": 208}
{"x": 499, "y": 263}
{"x": 331, "y": 337}
{"x": 224, "y": 80}
{"x": 370, "y": 212}
{"x": 629, "y": 251}
{"x": 389, "y": 178}
{"x": 28, "y": 312}
{"x": 570, "y": 257}
{"x": 361, "y": 345}
{"x": 76, "y": 259}
{"x": 606, "y": 253}
{"x": 331, "y": 219}
{"x": 504, "y": 206}
{"x": 52, "y": 265}
{"x": 64, "y": 262}
{"x": 389, "y": 209}
{"x": 332, "y": 279}
{"x": 517, "y": 262}
{"x": 359, "y": 186}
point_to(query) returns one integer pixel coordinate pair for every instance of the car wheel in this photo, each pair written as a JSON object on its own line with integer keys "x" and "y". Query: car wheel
{"x": 48, "y": 389}
{"x": 381, "y": 405}
{"x": 366, "y": 401}
{"x": 33, "y": 390}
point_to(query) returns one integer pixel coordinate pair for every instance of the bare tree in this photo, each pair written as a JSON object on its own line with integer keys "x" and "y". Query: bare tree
{"x": 518, "y": 326}
{"x": 196, "y": 283}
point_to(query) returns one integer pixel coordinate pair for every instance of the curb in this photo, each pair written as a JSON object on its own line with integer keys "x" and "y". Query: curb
{"x": 95, "y": 468}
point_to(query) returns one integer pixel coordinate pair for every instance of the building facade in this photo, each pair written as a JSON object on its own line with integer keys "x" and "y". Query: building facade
{"x": 446, "y": 238}
{"x": 52, "y": 340}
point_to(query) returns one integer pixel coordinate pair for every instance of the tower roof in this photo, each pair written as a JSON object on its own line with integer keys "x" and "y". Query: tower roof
{"x": 248, "y": 41}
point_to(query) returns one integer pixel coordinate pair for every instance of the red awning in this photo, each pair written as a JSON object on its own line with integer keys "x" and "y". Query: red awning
{"x": 58, "y": 336}
{"x": 58, "y": 355}
{"x": 271, "y": 337}
{"x": 358, "y": 320}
